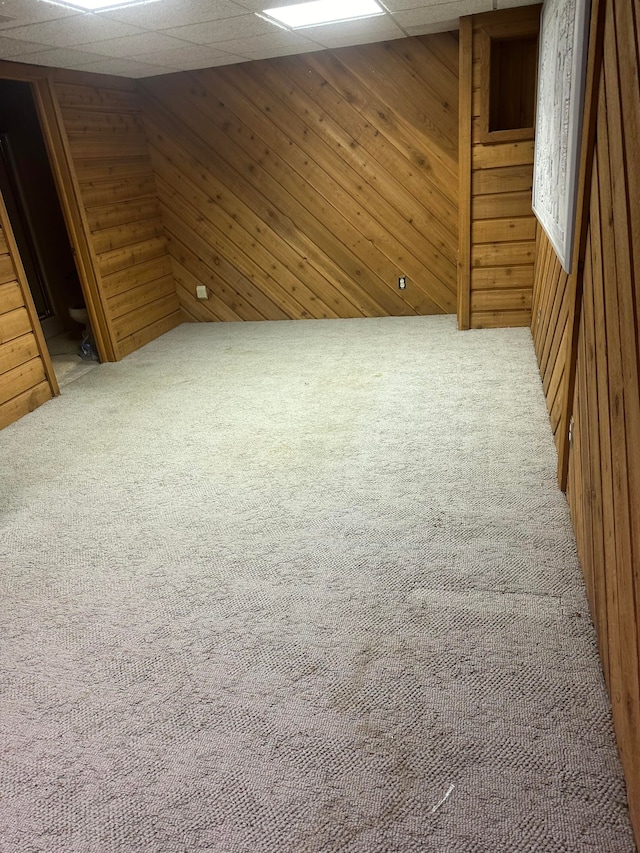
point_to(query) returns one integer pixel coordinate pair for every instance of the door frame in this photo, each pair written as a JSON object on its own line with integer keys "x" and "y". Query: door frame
{"x": 23, "y": 229}
{"x": 41, "y": 81}
{"x": 29, "y": 304}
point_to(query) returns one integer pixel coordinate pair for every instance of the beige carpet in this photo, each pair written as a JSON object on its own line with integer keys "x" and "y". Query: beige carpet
{"x": 299, "y": 588}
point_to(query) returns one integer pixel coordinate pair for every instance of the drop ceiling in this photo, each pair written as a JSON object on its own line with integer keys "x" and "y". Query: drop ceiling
{"x": 165, "y": 36}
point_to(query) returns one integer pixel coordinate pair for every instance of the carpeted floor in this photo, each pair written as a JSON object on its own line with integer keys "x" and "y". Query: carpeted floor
{"x": 302, "y": 587}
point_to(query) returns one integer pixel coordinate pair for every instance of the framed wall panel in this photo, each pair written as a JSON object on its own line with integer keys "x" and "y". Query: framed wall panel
{"x": 561, "y": 77}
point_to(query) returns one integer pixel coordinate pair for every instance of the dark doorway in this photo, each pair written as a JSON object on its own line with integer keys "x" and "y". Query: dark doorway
{"x": 32, "y": 202}
{"x": 19, "y": 214}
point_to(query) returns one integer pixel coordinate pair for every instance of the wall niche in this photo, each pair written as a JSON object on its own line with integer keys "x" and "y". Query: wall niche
{"x": 508, "y": 73}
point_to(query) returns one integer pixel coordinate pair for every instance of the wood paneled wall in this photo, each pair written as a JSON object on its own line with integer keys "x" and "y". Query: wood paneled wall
{"x": 604, "y": 460}
{"x": 305, "y": 186}
{"x": 497, "y": 226}
{"x": 24, "y": 384}
{"x": 109, "y": 156}
{"x": 550, "y": 327}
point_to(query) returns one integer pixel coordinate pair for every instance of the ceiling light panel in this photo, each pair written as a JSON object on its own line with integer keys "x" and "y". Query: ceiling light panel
{"x": 323, "y": 12}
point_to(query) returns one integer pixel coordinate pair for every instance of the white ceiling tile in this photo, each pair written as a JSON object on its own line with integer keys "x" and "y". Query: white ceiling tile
{"x": 9, "y": 48}
{"x": 175, "y": 58}
{"x": 132, "y": 46}
{"x": 170, "y": 34}
{"x": 213, "y": 61}
{"x": 428, "y": 29}
{"x": 61, "y": 57}
{"x": 413, "y": 18}
{"x": 212, "y": 32}
{"x": 354, "y": 32}
{"x": 163, "y": 14}
{"x": 70, "y": 32}
{"x": 468, "y": 7}
{"x": 139, "y": 70}
{"x": 261, "y": 5}
{"x": 277, "y": 41}
{"x": 275, "y": 52}
{"x": 32, "y": 12}
{"x": 439, "y": 11}
{"x": 222, "y": 59}
{"x": 124, "y": 68}
{"x": 419, "y": 17}
{"x": 361, "y": 38}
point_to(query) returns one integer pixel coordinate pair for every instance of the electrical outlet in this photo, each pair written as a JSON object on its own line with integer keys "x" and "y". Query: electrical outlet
{"x": 201, "y": 291}
{"x": 402, "y": 282}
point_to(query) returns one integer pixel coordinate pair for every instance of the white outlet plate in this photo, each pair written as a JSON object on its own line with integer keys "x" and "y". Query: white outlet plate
{"x": 201, "y": 291}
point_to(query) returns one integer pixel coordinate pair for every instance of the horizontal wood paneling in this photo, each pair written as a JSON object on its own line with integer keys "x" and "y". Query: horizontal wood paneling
{"x": 305, "y": 186}
{"x": 110, "y": 158}
{"x": 603, "y": 486}
{"x": 501, "y": 182}
{"x": 497, "y": 231}
{"x": 100, "y": 158}
{"x": 23, "y": 383}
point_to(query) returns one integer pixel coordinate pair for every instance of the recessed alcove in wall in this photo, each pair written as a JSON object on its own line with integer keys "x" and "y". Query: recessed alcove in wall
{"x": 511, "y": 83}
{"x": 508, "y": 75}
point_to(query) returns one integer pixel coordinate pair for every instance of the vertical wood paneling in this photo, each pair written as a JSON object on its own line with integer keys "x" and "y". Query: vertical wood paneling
{"x": 604, "y": 460}
{"x": 497, "y": 261}
{"x": 110, "y": 158}
{"x": 305, "y": 186}
{"x": 550, "y": 328}
{"x": 24, "y": 384}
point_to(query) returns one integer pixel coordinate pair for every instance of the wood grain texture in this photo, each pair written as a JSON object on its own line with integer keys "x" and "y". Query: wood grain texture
{"x": 465, "y": 235}
{"x": 109, "y": 157}
{"x": 603, "y": 486}
{"x": 550, "y": 325}
{"x": 496, "y": 269}
{"x": 513, "y": 84}
{"x": 74, "y": 215}
{"x": 303, "y": 187}
{"x": 24, "y": 384}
